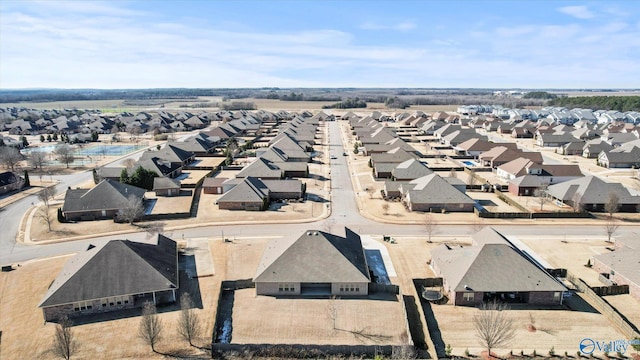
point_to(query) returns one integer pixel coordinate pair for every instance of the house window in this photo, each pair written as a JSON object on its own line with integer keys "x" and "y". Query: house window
{"x": 557, "y": 295}
{"x": 468, "y": 296}
{"x": 286, "y": 288}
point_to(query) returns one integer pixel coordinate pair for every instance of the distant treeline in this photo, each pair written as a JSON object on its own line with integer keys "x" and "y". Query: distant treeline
{"x": 539, "y": 95}
{"x": 75, "y": 95}
{"x": 347, "y": 104}
{"x": 619, "y": 103}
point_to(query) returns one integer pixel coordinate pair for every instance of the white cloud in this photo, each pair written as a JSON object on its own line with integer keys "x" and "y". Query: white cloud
{"x": 118, "y": 49}
{"x": 580, "y": 12}
{"x": 388, "y": 25}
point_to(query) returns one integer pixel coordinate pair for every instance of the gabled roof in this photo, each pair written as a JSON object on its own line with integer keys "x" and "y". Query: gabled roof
{"x": 410, "y": 169}
{"x": 165, "y": 183}
{"x": 249, "y": 190}
{"x": 314, "y": 257}
{"x": 435, "y": 190}
{"x": 491, "y": 267}
{"x": 170, "y": 153}
{"x": 260, "y": 168}
{"x": 592, "y": 190}
{"x": 107, "y": 195}
{"x": 117, "y": 267}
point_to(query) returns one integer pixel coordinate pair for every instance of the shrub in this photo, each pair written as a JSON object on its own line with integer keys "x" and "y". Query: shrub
{"x": 160, "y": 137}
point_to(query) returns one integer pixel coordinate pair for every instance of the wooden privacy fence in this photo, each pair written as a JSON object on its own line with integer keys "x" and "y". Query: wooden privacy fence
{"x": 600, "y": 304}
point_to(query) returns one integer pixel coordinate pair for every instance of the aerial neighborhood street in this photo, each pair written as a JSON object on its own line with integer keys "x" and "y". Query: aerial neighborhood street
{"x": 338, "y": 180}
{"x": 392, "y": 190}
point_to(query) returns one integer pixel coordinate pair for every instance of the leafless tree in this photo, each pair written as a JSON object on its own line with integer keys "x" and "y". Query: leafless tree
{"x": 65, "y": 154}
{"x": 612, "y": 204}
{"x": 472, "y": 178}
{"x": 477, "y": 225}
{"x": 10, "y": 157}
{"x": 494, "y": 327}
{"x": 150, "y": 327}
{"x": 576, "y": 201}
{"x": 405, "y": 351}
{"x": 64, "y": 344}
{"x": 46, "y": 194}
{"x": 129, "y": 163}
{"x": 45, "y": 217}
{"x": 132, "y": 210}
{"x": 542, "y": 196}
{"x": 189, "y": 326}
{"x": 38, "y": 159}
{"x": 453, "y": 173}
{"x": 430, "y": 225}
{"x": 611, "y": 225}
{"x": 333, "y": 307}
{"x": 385, "y": 208}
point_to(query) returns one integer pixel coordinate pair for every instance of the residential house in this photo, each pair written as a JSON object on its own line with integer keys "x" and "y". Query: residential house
{"x": 100, "y": 202}
{"x": 409, "y": 170}
{"x": 213, "y": 185}
{"x": 164, "y": 186}
{"x": 593, "y": 148}
{"x": 255, "y": 194}
{"x": 573, "y": 148}
{"x": 315, "y": 264}
{"x": 591, "y": 193}
{"x": 493, "y": 270}
{"x": 434, "y": 193}
{"x": 625, "y": 156}
{"x": 502, "y": 154}
{"x": 115, "y": 275}
{"x": 551, "y": 173}
{"x": 621, "y": 266}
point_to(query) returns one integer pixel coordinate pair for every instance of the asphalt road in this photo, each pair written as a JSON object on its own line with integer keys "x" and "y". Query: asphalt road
{"x": 344, "y": 212}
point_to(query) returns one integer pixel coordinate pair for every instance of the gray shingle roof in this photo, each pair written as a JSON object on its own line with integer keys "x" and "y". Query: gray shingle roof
{"x": 491, "y": 267}
{"x": 625, "y": 262}
{"x": 433, "y": 189}
{"x": 117, "y": 267}
{"x": 410, "y": 169}
{"x": 316, "y": 256}
{"x": 592, "y": 190}
{"x": 251, "y": 189}
{"x": 165, "y": 183}
{"x": 107, "y": 195}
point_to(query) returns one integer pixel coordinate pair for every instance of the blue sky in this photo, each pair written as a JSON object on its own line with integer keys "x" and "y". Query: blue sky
{"x": 481, "y": 44}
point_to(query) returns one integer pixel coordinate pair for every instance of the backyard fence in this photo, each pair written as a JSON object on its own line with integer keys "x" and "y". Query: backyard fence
{"x": 600, "y": 304}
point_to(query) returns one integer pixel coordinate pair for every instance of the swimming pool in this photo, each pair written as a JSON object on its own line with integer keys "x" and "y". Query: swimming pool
{"x": 469, "y": 163}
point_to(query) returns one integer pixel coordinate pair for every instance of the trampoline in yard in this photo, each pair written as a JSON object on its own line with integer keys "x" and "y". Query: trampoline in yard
{"x": 432, "y": 293}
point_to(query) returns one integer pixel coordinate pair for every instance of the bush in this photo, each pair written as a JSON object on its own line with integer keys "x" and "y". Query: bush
{"x": 160, "y": 137}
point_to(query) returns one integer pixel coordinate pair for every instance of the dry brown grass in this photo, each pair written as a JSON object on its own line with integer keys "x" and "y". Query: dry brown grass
{"x": 562, "y": 329}
{"x": 266, "y": 319}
